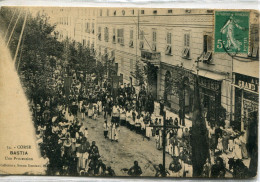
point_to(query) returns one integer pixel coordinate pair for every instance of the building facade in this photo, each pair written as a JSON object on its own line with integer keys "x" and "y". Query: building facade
{"x": 177, "y": 45}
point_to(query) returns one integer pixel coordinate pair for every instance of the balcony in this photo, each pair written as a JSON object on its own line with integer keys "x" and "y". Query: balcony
{"x": 151, "y": 57}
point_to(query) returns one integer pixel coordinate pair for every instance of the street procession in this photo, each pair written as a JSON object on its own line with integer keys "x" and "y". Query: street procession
{"x": 118, "y": 92}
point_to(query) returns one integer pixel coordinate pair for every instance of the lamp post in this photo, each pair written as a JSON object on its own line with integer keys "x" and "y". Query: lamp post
{"x": 164, "y": 127}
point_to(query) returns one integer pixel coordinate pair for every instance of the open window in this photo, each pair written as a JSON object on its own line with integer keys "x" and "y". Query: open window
{"x": 114, "y": 36}
{"x": 186, "y": 48}
{"x": 154, "y": 47}
{"x": 99, "y": 33}
{"x": 186, "y": 53}
{"x": 106, "y": 31}
{"x": 168, "y": 50}
{"x": 99, "y": 36}
{"x": 254, "y": 51}
{"x": 120, "y": 36}
{"x": 141, "y": 45}
{"x": 206, "y": 56}
{"x": 131, "y": 43}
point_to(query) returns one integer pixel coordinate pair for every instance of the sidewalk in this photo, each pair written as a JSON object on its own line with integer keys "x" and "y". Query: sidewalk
{"x": 188, "y": 122}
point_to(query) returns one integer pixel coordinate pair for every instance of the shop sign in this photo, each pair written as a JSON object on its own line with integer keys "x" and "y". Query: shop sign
{"x": 209, "y": 84}
{"x": 247, "y": 82}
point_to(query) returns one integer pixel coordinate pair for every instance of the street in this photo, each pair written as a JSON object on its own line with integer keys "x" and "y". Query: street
{"x": 130, "y": 147}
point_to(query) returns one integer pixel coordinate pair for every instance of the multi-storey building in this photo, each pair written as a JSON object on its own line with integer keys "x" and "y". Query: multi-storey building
{"x": 118, "y": 38}
{"x": 176, "y": 43}
{"x": 78, "y": 24}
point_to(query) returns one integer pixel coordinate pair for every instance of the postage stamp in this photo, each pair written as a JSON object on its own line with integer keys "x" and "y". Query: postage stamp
{"x": 231, "y": 31}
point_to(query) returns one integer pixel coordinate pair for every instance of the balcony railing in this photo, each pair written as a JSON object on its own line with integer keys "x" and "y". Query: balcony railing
{"x": 151, "y": 57}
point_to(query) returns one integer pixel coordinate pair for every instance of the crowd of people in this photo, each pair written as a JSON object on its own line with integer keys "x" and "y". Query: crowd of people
{"x": 64, "y": 142}
{"x": 61, "y": 134}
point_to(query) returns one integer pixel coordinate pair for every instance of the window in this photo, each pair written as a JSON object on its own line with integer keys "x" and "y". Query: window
{"x": 186, "y": 50}
{"x": 207, "y": 43}
{"x": 115, "y": 13}
{"x": 114, "y": 35}
{"x": 206, "y": 56}
{"x": 154, "y": 12}
{"x": 131, "y": 42}
{"x": 154, "y": 36}
{"x": 131, "y": 34}
{"x": 142, "y": 12}
{"x": 120, "y": 36}
{"x": 99, "y": 33}
{"x": 93, "y": 28}
{"x": 186, "y": 40}
{"x": 100, "y": 12}
{"x": 141, "y": 35}
{"x": 141, "y": 44}
{"x": 87, "y": 27}
{"x": 123, "y": 12}
{"x": 113, "y": 53}
{"x": 169, "y": 38}
{"x": 133, "y": 12}
{"x": 106, "y": 32}
{"x": 169, "y": 10}
{"x": 84, "y": 42}
{"x": 168, "y": 50}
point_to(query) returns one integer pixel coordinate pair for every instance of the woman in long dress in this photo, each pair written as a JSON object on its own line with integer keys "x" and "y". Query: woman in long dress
{"x": 242, "y": 138}
{"x": 237, "y": 149}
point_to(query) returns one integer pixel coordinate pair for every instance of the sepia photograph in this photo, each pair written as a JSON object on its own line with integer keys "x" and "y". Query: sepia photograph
{"x": 129, "y": 92}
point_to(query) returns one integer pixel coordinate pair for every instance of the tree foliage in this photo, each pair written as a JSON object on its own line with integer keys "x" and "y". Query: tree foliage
{"x": 139, "y": 73}
{"x": 41, "y": 50}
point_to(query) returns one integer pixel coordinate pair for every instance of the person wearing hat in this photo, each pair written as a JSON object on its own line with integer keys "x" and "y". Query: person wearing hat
{"x": 135, "y": 170}
{"x": 175, "y": 167}
{"x": 109, "y": 172}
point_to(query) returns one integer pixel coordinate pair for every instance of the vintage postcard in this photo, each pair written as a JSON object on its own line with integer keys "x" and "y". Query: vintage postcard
{"x": 137, "y": 92}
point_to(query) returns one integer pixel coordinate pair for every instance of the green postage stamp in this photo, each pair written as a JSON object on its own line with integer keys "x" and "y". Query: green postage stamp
{"x": 231, "y": 31}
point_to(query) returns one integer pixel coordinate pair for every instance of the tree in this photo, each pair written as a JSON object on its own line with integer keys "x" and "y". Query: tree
{"x": 100, "y": 71}
{"x": 139, "y": 73}
{"x": 39, "y": 48}
{"x": 177, "y": 85}
{"x": 150, "y": 72}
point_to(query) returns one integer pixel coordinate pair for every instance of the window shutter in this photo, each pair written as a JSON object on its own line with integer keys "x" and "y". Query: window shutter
{"x": 188, "y": 40}
{"x": 209, "y": 43}
{"x": 205, "y": 43}
{"x": 169, "y": 37}
{"x": 131, "y": 34}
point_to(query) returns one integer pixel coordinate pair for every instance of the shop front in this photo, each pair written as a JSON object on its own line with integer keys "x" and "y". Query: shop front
{"x": 246, "y": 100}
{"x": 210, "y": 91}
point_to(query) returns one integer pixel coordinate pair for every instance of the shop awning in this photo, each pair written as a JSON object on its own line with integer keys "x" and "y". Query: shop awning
{"x": 211, "y": 75}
